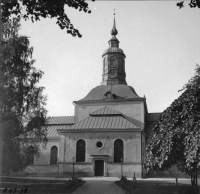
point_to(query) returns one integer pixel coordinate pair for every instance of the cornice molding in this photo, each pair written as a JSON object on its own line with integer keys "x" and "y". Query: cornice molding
{"x": 66, "y": 131}
{"x": 109, "y": 101}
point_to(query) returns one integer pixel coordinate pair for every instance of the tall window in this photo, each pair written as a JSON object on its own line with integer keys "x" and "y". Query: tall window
{"x": 54, "y": 155}
{"x": 30, "y": 158}
{"x": 80, "y": 151}
{"x": 118, "y": 151}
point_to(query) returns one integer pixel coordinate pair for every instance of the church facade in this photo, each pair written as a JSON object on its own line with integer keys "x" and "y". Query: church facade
{"x": 108, "y": 133}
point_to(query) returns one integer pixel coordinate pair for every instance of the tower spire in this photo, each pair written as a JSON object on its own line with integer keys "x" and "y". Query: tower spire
{"x": 114, "y": 31}
{"x": 113, "y": 61}
{"x": 114, "y": 25}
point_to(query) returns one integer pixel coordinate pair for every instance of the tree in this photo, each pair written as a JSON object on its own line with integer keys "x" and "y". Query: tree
{"x": 192, "y": 4}
{"x": 176, "y": 135}
{"x": 22, "y": 103}
{"x": 36, "y": 9}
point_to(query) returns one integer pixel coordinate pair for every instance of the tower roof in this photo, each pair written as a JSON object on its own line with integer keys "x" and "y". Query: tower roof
{"x": 114, "y": 42}
{"x": 114, "y": 31}
{"x": 122, "y": 93}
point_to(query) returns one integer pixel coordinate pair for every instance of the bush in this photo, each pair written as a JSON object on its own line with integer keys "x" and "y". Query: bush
{"x": 76, "y": 179}
{"x": 123, "y": 179}
{"x": 72, "y": 182}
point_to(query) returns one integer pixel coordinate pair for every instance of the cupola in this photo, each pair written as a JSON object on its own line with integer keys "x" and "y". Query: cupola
{"x": 113, "y": 61}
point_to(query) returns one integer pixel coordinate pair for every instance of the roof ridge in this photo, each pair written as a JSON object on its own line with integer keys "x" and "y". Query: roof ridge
{"x": 112, "y": 111}
{"x": 79, "y": 125}
{"x": 61, "y": 120}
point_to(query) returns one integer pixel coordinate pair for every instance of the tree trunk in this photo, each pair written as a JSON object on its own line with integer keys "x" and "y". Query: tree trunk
{"x": 194, "y": 178}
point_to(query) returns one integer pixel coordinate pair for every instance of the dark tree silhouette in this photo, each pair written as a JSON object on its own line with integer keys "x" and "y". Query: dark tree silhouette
{"x": 176, "y": 136}
{"x": 192, "y": 4}
{"x": 35, "y": 9}
{"x": 22, "y": 104}
{"x": 180, "y": 4}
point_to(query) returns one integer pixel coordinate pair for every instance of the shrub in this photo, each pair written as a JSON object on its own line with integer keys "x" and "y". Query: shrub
{"x": 123, "y": 179}
{"x": 76, "y": 180}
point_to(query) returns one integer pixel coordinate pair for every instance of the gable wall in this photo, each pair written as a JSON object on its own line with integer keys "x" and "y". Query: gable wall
{"x": 132, "y": 145}
{"x": 132, "y": 153}
{"x": 135, "y": 110}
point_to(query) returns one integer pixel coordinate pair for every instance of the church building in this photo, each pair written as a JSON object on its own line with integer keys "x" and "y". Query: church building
{"x": 107, "y": 134}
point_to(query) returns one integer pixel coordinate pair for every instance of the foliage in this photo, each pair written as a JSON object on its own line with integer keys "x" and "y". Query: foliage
{"x": 131, "y": 184}
{"x": 123, "y": 179}
{"x": 176, "y": 135}
{"x": 72, "y": 182}
{"x": 76, "y": 179}
{"x": 192, "y": 4}
{"x": 150, "y": 187}
{"x": 36, "y": 9}
{"x": 22, "y": 110}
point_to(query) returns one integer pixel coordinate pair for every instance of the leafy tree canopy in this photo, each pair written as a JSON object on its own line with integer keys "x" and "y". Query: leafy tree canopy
{"x": 192, "y": 4}
{"x": 35, "y": 9}
{"x": 176, "y": 135}
{"x": 22, "y": 103}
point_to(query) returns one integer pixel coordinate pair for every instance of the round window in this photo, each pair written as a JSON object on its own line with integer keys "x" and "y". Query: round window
{"x": 99, "y": 144}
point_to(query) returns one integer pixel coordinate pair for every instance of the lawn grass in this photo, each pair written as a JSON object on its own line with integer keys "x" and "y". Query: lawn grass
{"x": 142, "y": 187}
{"x": 40, "y": 186}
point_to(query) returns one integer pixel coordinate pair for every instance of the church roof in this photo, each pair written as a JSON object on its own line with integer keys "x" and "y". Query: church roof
{"x": 52, "y": 130}
{"x": 113, "y": 50}
{"x": 123, "y": 91}
{"x": 104, "y": 122}
{"x": 105, "y": 111}
{"x": 62, "y": 120}
{"x": 104, "y": 118}
{"x": 152, "y": 117}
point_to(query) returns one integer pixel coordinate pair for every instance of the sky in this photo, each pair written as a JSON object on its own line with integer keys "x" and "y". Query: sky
{"x": 161, "y": 43}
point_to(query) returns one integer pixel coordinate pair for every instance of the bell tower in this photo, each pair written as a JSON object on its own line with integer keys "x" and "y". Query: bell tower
{"x": 113, "y": 61}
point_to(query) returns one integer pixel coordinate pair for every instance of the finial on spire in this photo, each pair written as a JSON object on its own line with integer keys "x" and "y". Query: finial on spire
{"x": 114, "y": 30}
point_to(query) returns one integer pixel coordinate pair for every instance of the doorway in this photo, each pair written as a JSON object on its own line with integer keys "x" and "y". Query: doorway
{"x": 99, "y": 168}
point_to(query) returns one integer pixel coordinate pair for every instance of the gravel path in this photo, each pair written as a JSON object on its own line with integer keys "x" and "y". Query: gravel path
{"x": 99, "y": 187}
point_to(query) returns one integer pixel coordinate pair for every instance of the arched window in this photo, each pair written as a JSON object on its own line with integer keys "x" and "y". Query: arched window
{"x": 30, "y": 158}
{"x": 104, "y": 60}
{"x": 118, "y": 151}
{"x": 80, "y": 151}
{"x": 54, "y": 155}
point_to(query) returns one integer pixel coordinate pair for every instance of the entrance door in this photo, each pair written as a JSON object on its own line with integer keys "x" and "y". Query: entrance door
{"x": 99, "y": 168}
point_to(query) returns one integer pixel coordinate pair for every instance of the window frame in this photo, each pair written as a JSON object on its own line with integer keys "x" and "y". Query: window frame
{"x": 30, "y": 157}
{"x": 118, "y": 151}
{"x": 80, "y": 154}
{"x": 53, "y": 157}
